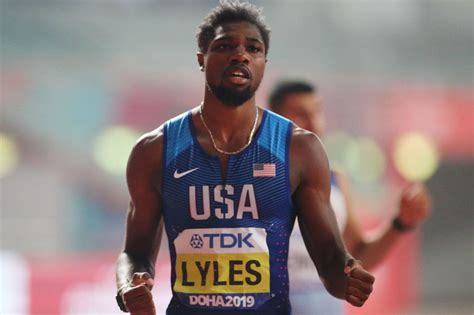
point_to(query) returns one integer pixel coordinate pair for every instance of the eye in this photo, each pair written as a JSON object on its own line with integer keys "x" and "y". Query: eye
{"x": 222, "y": 46}
{"x": 254, "y": 49}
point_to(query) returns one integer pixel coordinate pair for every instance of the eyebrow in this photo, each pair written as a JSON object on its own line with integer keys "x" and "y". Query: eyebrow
{"x": 252, "y": 39}
{"x": 228, "y": 37}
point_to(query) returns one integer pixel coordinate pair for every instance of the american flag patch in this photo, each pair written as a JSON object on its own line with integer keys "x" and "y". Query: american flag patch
{"x": 264, "y": 170}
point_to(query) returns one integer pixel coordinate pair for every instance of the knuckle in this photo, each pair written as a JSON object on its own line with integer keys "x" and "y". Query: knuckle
{"x": 127, "y": 294}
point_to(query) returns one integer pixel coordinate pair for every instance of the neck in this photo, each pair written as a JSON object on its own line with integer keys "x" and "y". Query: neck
{"x": 228, "y": 122}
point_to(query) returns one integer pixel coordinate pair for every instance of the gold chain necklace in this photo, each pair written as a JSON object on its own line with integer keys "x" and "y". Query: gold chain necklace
{"x": 252, "y": 132}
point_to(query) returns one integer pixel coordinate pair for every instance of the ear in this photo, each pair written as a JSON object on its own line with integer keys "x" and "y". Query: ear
{"x": 200, "y": 59}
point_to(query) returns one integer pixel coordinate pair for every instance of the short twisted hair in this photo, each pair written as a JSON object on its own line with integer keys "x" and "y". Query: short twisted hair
{"x": 231, "y": 11}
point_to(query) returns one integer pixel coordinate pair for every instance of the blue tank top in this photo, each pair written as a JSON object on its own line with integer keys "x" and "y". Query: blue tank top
{"x": 228, "y": 241}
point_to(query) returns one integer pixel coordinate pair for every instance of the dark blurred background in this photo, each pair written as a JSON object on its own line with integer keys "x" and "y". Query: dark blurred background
{"x": 81, "y": 80}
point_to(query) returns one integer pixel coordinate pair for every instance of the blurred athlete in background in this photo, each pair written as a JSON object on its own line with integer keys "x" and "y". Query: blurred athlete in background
{"x": 300, "y": 102}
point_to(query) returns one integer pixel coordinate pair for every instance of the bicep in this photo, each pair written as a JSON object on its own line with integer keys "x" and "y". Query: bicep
{"x": 144, "y": 211}
{"x": 316, "y": 219}
{"x": 312, "y": 199}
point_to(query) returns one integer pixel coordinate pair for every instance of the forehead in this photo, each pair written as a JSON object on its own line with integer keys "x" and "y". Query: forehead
{"x": 238, "y": 30}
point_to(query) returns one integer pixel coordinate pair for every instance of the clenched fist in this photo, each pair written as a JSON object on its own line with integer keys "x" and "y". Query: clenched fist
{"x": 414, "y": 206}
{"x": 137, "y": 296}
{"x": 359, "y": 283}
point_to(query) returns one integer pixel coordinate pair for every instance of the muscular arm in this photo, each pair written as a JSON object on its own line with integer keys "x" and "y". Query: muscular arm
{"x": 143, "y": 228}
{"x": 372, "y": 248}
{"x": 315, "y": 216}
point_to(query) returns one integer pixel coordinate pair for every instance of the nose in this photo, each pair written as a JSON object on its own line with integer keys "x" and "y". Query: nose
{"x": 240, "y": 55}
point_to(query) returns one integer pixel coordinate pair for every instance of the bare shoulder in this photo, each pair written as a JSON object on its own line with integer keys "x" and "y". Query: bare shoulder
{"x": 149, "y": 144}
{"x": 307, "y": 157}
{"x": 305, "y": 144}
{"x": 151, "y": 139}
{"x": 341, "y": 177}
{"x": 146, "y": 157}
{"x": 342, "y": 181}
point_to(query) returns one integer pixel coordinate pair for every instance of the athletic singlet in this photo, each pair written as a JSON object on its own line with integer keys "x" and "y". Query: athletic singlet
{"x": 228, "y": 241}
{"x": 303, "y": 273}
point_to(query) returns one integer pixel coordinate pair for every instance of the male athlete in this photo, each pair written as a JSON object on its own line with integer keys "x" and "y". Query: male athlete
{"x": 229, "y": 178}
{"x": 300, "y": 101}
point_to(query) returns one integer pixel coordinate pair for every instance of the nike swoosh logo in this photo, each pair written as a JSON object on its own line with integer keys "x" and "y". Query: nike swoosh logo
{"x": 179, "y": 175}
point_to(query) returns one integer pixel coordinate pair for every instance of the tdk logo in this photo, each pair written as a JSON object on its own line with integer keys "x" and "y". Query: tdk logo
{"x": 228, "y": 240}
{"x": 196, "y": 241}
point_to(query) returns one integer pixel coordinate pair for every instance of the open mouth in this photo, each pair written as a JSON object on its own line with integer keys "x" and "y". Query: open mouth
{"x": 238, "y": 75}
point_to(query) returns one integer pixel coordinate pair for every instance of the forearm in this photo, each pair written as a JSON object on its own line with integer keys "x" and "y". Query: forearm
{"x": 414, "y": 208}
{"x": 332, "y": 272}
{"x": 374, "y": 248}
{"x": 128, "y": 264}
